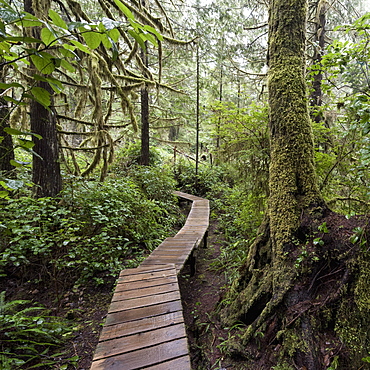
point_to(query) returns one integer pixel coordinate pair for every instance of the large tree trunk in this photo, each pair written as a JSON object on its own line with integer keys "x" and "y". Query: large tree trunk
{"x": 46, "y": 167}
{"x": 282, "y": 283}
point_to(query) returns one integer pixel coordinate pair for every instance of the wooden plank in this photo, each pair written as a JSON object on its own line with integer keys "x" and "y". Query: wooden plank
{"x": 144, "y": 292}
{"x": 120, "y": 317}
{"x": 159, "y": 260}
{"x": 144, "y": 301}
{"x": 141, "y": 270}
{"x": 147, "y": 275}
{"x": 144, "y": 357}
{"x": 134, "y": 342}
{"x": 181, "y": 363}
{"x": 133, "y": 285}
{"x": 141, "y": 325}
{"x": 170, "y": 252}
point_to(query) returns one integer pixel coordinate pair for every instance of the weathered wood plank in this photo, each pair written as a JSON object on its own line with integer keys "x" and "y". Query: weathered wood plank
{"x": 145, "y": 292}
{"x": 147, "y": 275}
{"x": 144, "y": 357}
{"x": 144, "y": 301}
{"x": 134, "y": 342}
{"x": 120, "y": 317}
{"x": 133, "y": 285}
{"x": 141, "y": 325}
{"x": 181, "y": 363}
{"x": 142, "y": 270}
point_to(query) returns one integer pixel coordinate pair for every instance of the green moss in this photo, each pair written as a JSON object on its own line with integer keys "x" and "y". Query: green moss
{"x": 362, "y": 290}
{"x": 353, "y": 316}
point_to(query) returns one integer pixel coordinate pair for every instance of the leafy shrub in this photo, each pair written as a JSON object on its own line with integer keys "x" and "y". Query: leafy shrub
{"x": 157, "y": 183}
{"x": 199, "y": 184}
{"x": 94, "y": 230}
{"x": 130, "y": 156}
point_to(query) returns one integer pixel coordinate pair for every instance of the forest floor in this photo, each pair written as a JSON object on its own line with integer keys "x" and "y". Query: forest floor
{"x": 86, "y": 307}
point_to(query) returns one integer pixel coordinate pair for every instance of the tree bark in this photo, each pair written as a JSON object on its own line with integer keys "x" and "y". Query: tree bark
{"x": 46, "y": 174}
{"x": 145, "y": 129}
{"x": 6, "y": 146}
{"x": 45, "y": 166}
{"x": 293, "y": 185}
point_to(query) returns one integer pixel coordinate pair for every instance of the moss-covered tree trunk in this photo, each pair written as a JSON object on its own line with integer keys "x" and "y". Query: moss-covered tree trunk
{"x": 283, "y": 283}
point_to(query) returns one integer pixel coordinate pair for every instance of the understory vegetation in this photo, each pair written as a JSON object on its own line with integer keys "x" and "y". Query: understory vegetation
{"x": 82, "y": 238}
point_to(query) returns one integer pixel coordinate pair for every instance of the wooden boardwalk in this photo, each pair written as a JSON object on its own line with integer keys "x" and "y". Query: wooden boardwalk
{"x": 145, "y": 328}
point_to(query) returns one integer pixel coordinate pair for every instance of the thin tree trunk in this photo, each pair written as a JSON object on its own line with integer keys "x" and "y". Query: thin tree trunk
{"x": 6, "y": 145}
{"x": 145, "y": 130}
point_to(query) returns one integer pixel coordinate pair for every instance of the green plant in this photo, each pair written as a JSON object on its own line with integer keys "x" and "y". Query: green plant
{"x": 28, "y": 335}
{"x": 334, "y": 364}
{"x": 358, "y": 236}
{"x": 92, "y": 232}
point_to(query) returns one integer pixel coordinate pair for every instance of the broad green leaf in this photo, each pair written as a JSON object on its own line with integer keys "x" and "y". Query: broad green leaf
{"x": 29, "y": 21}
{"x": 125, "y": 10}
{"x": 150, "y": 38}
{"x": 4, "y": 46}
{"x": 56, "y": 85}
{"x": 4, "y": 195}
{"x": 47, "y": 36}
{"x": 92, "y": 39}
{"x": 57, "y": 20}
{"x": 23, "y": 39}
{"x": 81, "y": 46}
{"x": 68, "y": 66}
{"x": 114, "y": 34}
{"x": 12, "y": 100}
{"x": 67, "y": 53}
{"x": 24, "y": 143}
{"x": 137, "y": 37}
{"x": 16, "y": 163}
{"x": 7, "y": 86}
{"x": 13, "y": 131}
{"x": 106, "y": 41}
{"x": 43, "y": 63}
{"x": 153, "y": 31}
{"x": 41, "y": 95}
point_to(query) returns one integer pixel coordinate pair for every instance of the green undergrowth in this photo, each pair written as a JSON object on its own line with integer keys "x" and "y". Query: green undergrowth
{"x": 29, "y": 336}
{"x": 236, "y": 209}
{"x": 93, "y": 230}
{"x": 52, "y": 247}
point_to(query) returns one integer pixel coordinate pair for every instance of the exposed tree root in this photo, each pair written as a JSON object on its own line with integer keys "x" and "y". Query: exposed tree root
{"x": 303, "y": 320}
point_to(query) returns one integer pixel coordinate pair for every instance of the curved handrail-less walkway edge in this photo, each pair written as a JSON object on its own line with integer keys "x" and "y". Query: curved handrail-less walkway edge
{"x": 145, "y": 328}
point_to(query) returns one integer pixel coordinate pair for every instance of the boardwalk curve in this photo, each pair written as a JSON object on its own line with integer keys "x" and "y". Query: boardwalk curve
{"x": 144, "y": 328}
